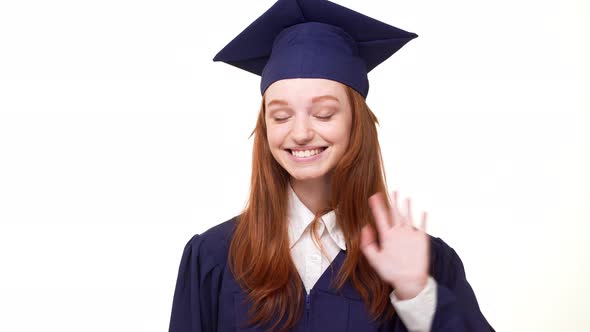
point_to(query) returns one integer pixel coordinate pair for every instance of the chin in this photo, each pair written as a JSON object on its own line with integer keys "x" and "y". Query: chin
{"x": 304, "y": 176}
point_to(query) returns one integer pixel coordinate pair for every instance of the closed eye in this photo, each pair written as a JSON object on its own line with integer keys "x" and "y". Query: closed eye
{"x": 323, "y": 117}
{"x": 281, "y": 119}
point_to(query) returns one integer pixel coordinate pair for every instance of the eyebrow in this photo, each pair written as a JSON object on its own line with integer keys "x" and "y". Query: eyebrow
{"x": 277, "y": 102}
{"x": 325, "y": 97}
{"x": 313, "y": 100}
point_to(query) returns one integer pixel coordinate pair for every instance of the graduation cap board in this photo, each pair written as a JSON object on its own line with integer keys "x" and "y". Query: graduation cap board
{"x": 313, "y": 39}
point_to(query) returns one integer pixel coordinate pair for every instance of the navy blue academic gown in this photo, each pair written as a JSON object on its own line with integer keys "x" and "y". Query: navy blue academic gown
{"x": 207, "y": 297}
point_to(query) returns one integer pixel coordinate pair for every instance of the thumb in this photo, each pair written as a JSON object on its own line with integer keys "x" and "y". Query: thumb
{"x": 369, "y": 245}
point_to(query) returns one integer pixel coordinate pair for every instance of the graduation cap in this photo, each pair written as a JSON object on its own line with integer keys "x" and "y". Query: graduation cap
{"x": 313, "y": 39}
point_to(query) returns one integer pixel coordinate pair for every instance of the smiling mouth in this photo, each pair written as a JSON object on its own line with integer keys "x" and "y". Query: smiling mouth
{"x": 306, "y": 153}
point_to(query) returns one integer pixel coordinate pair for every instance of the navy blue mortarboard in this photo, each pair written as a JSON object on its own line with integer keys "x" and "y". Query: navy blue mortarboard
{"x": 314, "y": 39}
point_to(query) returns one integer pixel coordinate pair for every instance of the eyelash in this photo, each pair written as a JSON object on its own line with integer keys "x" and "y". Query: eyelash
{"x": 319, "y": 117}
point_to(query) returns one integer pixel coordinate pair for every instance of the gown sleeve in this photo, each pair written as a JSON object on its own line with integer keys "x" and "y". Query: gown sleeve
{"x": 457, "y": 309}
{"x": 194, "y": 307}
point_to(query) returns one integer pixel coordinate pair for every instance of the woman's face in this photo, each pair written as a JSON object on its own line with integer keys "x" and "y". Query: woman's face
{"x": 308, "y": 123}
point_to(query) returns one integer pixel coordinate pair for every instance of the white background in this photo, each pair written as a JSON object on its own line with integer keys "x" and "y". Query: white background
{"x": 120, "y": 139}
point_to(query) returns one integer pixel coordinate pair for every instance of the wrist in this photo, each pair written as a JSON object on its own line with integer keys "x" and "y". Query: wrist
{"x": 408, "y": 289}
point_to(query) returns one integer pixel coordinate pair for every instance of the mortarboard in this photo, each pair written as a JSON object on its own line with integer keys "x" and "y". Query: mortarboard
{"x": 313, "y": 39}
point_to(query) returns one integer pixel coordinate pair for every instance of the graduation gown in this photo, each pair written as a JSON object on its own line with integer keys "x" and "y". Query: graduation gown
{"x": 207, "y": 297}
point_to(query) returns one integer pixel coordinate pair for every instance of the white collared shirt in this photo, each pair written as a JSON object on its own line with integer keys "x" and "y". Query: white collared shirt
{"x": 416, "y": 313}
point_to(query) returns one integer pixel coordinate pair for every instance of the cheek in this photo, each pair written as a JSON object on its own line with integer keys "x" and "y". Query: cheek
{"x": 275, "y": 136}
{"x": 337, "y": 133}
{"x": 346, "y": 130}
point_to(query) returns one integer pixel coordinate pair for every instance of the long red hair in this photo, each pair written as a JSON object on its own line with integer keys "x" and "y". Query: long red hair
{"x": 259, "y": 254}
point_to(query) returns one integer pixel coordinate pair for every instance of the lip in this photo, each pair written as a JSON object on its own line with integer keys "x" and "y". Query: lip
{"x": 308, "y": 159}
{"x": 306, "y": 148}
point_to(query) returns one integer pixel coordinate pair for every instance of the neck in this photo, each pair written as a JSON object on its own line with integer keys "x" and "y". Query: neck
{"x": 313, "y": 193}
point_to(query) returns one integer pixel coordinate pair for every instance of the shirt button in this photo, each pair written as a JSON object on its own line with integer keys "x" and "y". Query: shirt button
{"x": 314, "y": 258}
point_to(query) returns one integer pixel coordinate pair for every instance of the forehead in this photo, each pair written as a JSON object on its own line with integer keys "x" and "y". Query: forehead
{"x": 304, "y": 90}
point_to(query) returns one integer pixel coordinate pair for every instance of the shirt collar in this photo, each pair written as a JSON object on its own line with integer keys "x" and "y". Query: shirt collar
{"x": 300, "y": 217}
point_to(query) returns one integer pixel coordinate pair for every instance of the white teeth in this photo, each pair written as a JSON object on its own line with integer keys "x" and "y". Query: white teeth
{"x": 306, "y": 153}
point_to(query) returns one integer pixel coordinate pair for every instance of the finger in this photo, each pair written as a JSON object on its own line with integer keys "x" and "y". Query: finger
{"x": 369, "y": 245}
{"x": 423, "y": 222}
{"x": 395, "y": 212}
{"x": 409, "y": 212}
{"x": 380, "y": 212}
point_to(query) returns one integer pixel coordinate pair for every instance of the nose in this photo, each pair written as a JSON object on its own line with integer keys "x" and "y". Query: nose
{"x": 302, "y": 131}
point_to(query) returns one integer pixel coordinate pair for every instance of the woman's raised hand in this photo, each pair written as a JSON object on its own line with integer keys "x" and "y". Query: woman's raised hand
{"x": 401, "y": 257}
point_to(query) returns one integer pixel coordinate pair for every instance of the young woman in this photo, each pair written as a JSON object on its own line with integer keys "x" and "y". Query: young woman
{"x": 320, "y": 245}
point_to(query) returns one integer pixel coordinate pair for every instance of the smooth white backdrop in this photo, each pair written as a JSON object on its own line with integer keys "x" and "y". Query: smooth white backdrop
{"x": 120, "y": 139}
